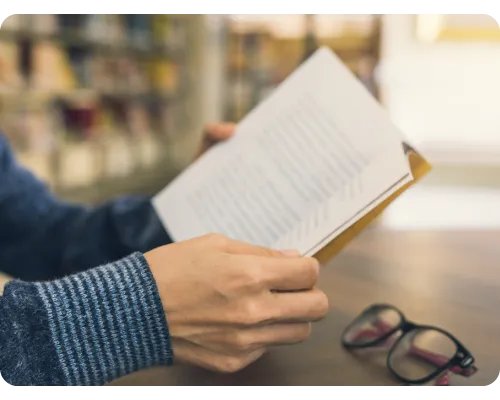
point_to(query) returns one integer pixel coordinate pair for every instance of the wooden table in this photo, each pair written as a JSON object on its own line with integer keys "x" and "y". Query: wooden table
{"x": 449, "y": 279}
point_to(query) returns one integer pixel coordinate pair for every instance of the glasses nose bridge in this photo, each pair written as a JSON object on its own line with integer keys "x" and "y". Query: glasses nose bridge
{"x": 407, "y": 327}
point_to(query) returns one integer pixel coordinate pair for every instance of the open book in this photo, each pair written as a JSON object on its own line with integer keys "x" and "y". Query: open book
{"x": 307, "y": 169}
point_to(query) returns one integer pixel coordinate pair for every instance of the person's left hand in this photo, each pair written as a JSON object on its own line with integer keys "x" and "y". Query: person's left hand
{"x": 215, "y": 133}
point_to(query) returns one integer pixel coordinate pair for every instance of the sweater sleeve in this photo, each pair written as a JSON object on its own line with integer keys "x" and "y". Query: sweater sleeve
{"x": 42, "y": 237}
{"x": 86, "y": 329}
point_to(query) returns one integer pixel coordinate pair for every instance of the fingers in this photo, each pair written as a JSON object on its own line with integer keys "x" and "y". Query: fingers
{"x": 279, "y": 273}
{"x": 272, "y": 308}
{"x": 270, "y": 335}
{"x": 227, "y": 245}
{"x": 263, "y": 268}
{"x": 290, "y": 274}
{"x": 290, "y": 253}
{"x": 235, "y": 247}
{"x": 253, "y": 311}
{"x": 215, "y": 133}
{"x": 249, "y": 340}
{"x": 306, "y": 306}
{"x": 191, "y": 353}
{"x": 219, "y": 132}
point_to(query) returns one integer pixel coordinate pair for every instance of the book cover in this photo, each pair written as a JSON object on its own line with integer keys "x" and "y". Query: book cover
{"x": 419, "y": 167}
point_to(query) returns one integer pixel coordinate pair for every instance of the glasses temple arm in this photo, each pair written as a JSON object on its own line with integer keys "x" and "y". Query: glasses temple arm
{"x": 438, "y": 360}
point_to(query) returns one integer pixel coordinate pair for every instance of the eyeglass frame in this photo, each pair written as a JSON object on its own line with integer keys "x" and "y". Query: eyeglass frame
{"x": 461, "y": 363}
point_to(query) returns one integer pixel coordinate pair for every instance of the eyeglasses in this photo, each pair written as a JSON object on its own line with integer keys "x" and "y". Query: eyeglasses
{"x": 418, "y": 354}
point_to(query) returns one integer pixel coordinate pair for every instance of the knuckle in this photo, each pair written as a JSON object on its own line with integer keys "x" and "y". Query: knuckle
{"x": 323, "y": 305}
{"x": 309, "y": 272}
{"x": 241, "y": 342}
{"x": 251, "y": 313}
{"x": 312, "y": 267}
{"x": 253, "y": 276}
{"x": 230, "y": 365}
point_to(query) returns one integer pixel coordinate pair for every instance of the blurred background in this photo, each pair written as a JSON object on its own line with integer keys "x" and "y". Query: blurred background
{"x": 103, "y": 105}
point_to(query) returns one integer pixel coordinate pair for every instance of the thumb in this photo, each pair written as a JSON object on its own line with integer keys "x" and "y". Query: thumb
{"x": 237, "y": 247}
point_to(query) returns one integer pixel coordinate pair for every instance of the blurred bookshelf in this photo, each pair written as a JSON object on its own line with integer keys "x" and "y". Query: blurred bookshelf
{"x": 94, "y": 104}
{"x": 264, "y": 50}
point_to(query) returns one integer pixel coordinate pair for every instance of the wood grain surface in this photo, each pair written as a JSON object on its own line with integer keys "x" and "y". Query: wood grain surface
{"x": 449, "y": 279}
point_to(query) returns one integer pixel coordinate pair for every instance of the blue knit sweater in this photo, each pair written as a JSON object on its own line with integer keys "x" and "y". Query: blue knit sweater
{"x": 75, "y": 315}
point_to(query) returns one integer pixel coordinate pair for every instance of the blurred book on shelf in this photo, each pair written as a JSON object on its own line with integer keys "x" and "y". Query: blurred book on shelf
{"x": 51, "y": 71}
{"x": 45, "y": 24}
{"x": 264, "y": 49}
{"x": 164, "y": 75}
{"x": 10, "y": 77}
{"x": 89, "y": 98}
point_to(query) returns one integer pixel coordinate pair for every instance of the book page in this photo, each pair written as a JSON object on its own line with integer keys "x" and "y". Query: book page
{"x": 310, "y": 160}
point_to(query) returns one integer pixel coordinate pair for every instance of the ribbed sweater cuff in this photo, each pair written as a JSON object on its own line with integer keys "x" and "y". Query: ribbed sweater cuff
{"x": 107, "y": 322}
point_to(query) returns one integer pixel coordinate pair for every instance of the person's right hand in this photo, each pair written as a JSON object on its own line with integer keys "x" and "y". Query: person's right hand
{"x": 226, "y": 302}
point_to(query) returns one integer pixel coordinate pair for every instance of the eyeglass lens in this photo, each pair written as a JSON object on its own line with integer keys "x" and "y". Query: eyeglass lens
{"x": 420, "y": 353}
{"x": 371, "y": 326}
{"x": 414, "y": 356}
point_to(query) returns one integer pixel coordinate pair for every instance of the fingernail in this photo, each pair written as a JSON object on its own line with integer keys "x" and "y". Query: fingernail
{"x": 292, "y": 253}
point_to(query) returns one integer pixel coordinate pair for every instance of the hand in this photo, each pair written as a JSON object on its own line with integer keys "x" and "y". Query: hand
{"x": 214, "y": 134}
{"x": 226, "y": 302}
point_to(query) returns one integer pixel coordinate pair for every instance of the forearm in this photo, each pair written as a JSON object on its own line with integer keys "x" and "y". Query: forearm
{"x": 86, "y": 329}
{"x": 42, "y": 237}
{"x": 108, "y": 232}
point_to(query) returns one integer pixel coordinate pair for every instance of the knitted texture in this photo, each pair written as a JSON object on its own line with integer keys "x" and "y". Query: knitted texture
{"x": 86, "y": 329}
